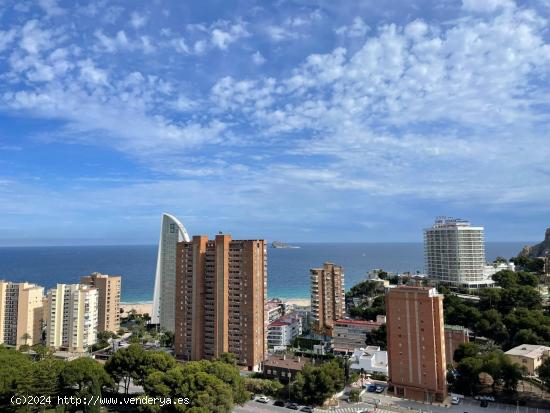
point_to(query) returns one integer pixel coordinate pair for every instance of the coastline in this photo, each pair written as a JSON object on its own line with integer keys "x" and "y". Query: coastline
{"x": 146, "y": 307}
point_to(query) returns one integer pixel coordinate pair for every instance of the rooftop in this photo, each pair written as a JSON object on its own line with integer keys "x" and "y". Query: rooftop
{"x": 293, "y": 363}
{"x": 528, "y": 350}
{"x": 357, "y": 322}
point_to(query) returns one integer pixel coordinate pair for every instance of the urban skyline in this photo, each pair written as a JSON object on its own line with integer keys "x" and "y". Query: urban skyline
{"x": 363, "y": 121}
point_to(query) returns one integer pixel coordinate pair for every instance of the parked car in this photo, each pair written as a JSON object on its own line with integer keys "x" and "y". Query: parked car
{"x": 293, "y": 406}
{"x": 379, "y": 389}
{"x": 484, "y": 403}
{"x": 371, "y": 388}
{"x": 307, "y": 409}
{"x": 279, "y": 403}
{"x": 455, "y": 400}
{"x": 263, "y": 399}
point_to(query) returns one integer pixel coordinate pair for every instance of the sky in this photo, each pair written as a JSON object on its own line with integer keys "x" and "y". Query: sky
{"x": 301, "y": 120}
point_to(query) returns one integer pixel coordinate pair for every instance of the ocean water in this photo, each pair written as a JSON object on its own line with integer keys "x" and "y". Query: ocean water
{"x": 288, "y": 269}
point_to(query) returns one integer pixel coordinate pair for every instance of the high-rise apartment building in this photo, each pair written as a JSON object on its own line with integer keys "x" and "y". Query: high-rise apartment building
{"x": 164, "y": 299}
{"x": 20, "y": 313}
{"x": 220, "y": 299}
{"x": 416, "y": 343}
{"x": 108, "y": 287}
{"x": 327, "y": 297}
{"x": 70, "y": 315}
{"x": 455, "y": 253}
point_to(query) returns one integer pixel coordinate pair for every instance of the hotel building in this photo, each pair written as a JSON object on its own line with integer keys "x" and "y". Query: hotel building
{"x": 70, "y": 315}
{"x": 455, "y": 253}
{"x": 327, "y": 297}
{"x": 220, "y": 299}
{"x": 172, "y": 231}
{"x": 416, "y": 343}
{"x": 108, "y": 287}
{"x": 20, "y": 313}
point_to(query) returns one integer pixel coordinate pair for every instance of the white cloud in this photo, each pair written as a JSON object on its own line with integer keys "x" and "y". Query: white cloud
{"x": 486, "y": 6}
{"x": 112, "y": 44}
{"x": 6, "y": 38}
{"x": 357, "y": 29}
{"x": 34, "y": 39}
{"x": 51, "y": 7}
{"x": 138, "y": 20}
{"x": 257, "y": 58}
{"x": 91, "y": 74}
{"x": 279, "y": 33}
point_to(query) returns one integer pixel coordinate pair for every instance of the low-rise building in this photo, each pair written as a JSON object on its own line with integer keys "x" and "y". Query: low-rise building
{"x": 274, "y": 309}
{"x": 283, "y": 366}
{"x": 282, "y": 331}
{"x": 530, "y": 356}
{"x": 454, "y": 337}
{"x": 370, "y": 360}
{"x": 351, "y": 334}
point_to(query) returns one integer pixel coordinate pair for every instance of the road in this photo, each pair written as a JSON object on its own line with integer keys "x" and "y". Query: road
{"x": 391, "y": 404}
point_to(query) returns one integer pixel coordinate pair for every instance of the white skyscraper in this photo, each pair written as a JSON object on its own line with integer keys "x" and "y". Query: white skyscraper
{"x": 455, "y": 253}
{"x": 164, "y": 300}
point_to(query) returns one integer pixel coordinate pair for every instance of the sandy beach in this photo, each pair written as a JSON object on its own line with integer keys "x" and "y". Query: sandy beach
{"x": 147, "y": 307}
{"x": 300, "y": 302}
{"x": 140, "y": 308}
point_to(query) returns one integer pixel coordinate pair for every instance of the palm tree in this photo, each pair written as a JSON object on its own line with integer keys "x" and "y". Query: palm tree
{"x": 26, "y": 337}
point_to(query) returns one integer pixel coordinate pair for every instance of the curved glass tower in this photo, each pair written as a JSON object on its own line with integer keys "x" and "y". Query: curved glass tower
{"x": 164, "y": 300}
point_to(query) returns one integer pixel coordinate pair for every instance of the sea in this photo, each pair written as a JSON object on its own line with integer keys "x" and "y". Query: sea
{"x": 288, "y": 269}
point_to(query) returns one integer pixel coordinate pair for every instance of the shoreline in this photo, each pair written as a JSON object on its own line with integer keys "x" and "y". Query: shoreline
{"x": 143, "y": 306}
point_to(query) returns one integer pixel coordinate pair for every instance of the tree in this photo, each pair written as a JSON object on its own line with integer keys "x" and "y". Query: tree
{"x": 124, "y": 364}
{"x": 544, "y": 372}
{"x": 26, "y": 337}
{"x": 15, "y": 366}
{"x": 83, "y": 373}
{"x": 167, "y": 339}
{"x": 354, "y": 396}
{"x": 465, "y": 350}
{"x": 378, "y": 337}
{"x": 205, "y": 392}
{"x": 228, "y": 358}
{"x": 263, "y": 386}
{"x": 314, "y": 384}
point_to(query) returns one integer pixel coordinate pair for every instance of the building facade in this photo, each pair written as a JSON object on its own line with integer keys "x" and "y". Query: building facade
{"x": 454, "y": 253}
{"x": 20, "y": 313}
{"x": 172, "y": 231}
{"x": 283, "y": 367}
{"x": 530, "y": 356}
{"x": 282, "y": 331}
{"x": 454, "y": 337}
{"x": 327, "y": 297}
{"x": 70, "y": 315}
{"x": 108, "y": 287}
{"x": 347, "y": 335}
{"x": 416, "y": 343}
{"x": 221, "y": 288}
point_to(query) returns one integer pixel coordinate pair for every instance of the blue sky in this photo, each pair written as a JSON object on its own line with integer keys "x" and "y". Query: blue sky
{"x": 293, "y": 120}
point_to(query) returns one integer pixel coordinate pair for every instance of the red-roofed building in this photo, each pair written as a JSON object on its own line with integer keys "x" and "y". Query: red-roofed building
{"x": 282, "y": 331}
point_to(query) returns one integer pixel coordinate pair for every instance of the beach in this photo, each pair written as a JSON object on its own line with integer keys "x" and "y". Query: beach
{"x": 139, "y": 308}
{"x": 147, "y": 307}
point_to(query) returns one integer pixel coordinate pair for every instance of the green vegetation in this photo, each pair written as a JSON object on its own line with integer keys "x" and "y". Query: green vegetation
{"x": 544, "y": 372}
{"x": 211, "y": 386}
{"x": 263, "y": 386}
{"x": 477, "y": 369}
{"x": 366, "y": 300}
{"x": 529, "y": 264}
{"x": 510, "y": 315}
{"x": 208, "y": 385}
{"x": 314, "y": 384}
{"x": 354, "y": 396}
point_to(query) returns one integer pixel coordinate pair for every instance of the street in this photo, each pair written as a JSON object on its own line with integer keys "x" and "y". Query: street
{"x": 390, "y": 404}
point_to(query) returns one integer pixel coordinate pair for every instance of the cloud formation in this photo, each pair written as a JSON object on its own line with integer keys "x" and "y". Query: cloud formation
{"x": 294, "y": 108}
